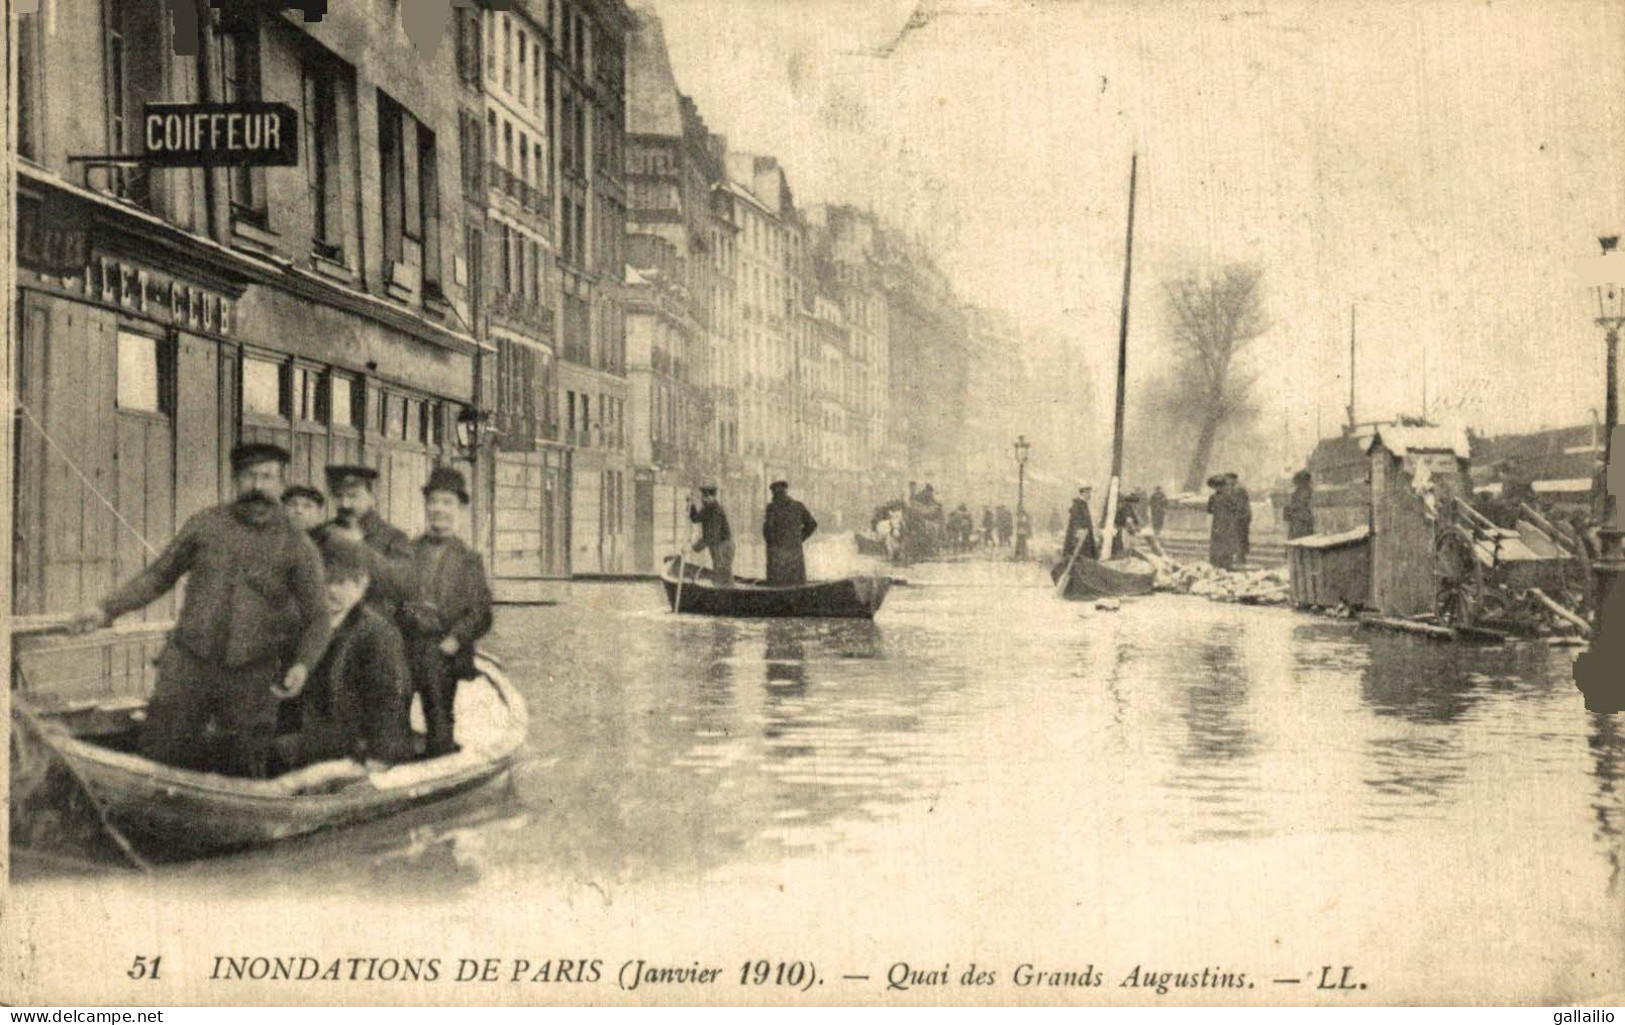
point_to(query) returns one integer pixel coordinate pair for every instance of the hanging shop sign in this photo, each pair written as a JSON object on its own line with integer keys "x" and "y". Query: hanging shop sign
{"x": 220, "y": 135}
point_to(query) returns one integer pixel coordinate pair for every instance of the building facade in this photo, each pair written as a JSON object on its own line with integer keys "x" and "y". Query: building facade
{"x": 167, "y": 314}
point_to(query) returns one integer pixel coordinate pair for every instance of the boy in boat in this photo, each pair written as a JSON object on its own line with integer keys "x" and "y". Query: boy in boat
{"x": 253, "y": 624}
{"x": 450, "y": 610}
{"x": 306, "y": 506}
{"x": 357, "y": 702}
{"x": 785, "y": 525}
{"x": 714, "y": 535}
{"x": 389, "y": 550}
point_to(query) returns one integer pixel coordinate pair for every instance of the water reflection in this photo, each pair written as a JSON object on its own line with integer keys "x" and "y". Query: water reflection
{"x": 1607, "y": 748}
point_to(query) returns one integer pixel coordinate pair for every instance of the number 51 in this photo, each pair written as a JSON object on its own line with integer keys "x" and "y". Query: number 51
{"x": 142, "y": 969}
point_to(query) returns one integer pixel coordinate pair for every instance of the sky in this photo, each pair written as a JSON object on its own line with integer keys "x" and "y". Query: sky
{"x": 1441, "y": 166}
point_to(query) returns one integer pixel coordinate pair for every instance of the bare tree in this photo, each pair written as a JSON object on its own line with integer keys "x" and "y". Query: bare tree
{"x": 1211, "y": 319}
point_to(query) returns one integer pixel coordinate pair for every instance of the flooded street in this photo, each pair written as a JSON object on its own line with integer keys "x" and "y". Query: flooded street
{"x": 1175, "y": 780}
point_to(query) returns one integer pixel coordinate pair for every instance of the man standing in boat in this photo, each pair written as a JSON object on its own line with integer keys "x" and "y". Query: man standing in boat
{"x": 389, "y": 550}
{"x": 715, "y": 535}
{"x": 252, "y": 626}
{"x": 1080, "y": 526}
{"x": 785, "y": 526}
{"x": 450, "y": 608}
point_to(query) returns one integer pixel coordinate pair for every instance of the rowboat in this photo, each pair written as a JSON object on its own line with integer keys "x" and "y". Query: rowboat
{"x": 1115, "y": 578}
{"x": 180, "y": 812}
{"x": 855, "y": 597}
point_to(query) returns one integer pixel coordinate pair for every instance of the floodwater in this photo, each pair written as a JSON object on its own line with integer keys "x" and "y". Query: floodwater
{"x": 987, "y": 772}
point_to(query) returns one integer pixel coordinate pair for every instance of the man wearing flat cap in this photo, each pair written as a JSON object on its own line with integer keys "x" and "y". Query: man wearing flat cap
{"x": 785, "y": 526}
{"x": 715, "y": 535}
{"x": 306, "y": 506}
{"x": 449, "y": 610}
{"x": 389, "y": 550}
{"x": 253, "y": 624}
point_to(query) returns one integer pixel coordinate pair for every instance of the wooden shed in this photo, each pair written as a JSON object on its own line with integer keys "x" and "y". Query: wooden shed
{"x": 1329, "y": 570}
{"x": 1380, "y": 482}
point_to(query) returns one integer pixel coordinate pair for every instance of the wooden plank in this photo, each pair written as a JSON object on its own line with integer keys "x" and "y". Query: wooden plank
{"x": 197, "y": 426}
{"x": 130, "y": 463}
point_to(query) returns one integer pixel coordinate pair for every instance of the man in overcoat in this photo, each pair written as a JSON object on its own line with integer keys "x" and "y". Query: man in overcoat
{"x": 449, "y": 610}
{"x": 1224, "y": 531}
{"x": 1080, "y": 527}
{"x": 388, "y": 549}
{"x": 252, "y": 626}
{"x": 785, "y": 526}
{"x": 1299, "y": 512}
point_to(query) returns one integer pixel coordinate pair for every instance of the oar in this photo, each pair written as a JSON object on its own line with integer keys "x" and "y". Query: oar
{"x": 677, "y": 599}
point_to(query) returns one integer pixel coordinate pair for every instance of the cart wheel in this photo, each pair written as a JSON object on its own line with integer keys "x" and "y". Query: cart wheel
{"x": 1460, "y": 579}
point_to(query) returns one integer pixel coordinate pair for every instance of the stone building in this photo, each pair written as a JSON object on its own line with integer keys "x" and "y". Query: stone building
{"x": 168, "y": 313}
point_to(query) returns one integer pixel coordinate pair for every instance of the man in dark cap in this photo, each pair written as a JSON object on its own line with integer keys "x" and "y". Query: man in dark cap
{"x": 356, "y": 519}
{"x": 253, "y": 624}
{"x": 1299, "y": 512}
{"x": 450, "y": 608}
{"x": 306, "y": 506}
{"x": 714, "y": 535}
{"x": 357, "y": 704}
{"x": 785, "y": 526}
{"x": 1241, "y": 506}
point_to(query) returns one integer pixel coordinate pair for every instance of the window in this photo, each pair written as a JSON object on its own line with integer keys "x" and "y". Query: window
{"x": 143, "y": 381}
{"x": 524, "y": 159}
{"x": 491, "y": 48}
{"x": 507, "y": 146}
{"x": 571, "y": 398}
{"x": 523, "y": 77}
{"x": 491, "y": 130}
{"x": 321, "y": 158}
{"x": 239, "y": 58}
{"x": 345, "y": 397}
{"x": 405, "y": 420}
{"x": 541, "y": 175}
{"x": 470, "y": 144}
{"x": 392, "y": 164}
{"x": 536, "y": 78}
{"x": 264, "y": 387}
{"x": 28, "y": 84}
{"x": 429, "y": 205}
{"x": 507, "y": 54}
{"x": 134, "y": 49}
{"x": 308, "y": 403}
{"x": 586, "y": 420}
{"x": 468, "y": 43}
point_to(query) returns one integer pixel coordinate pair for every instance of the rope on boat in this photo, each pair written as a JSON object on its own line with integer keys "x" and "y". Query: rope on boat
{"x": 42, "y": 733}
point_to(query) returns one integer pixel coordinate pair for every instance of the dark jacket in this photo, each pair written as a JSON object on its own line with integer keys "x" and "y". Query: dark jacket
{"x": 358, "y": 699}
{"x": 1159, "y": 509}
{"x": 713, "y": 523}
{"x": 254, "y": 587}
{"x": 451, "y": 597}
{"x": 787, "y": 523}
{"x": 1079, "y": 523}
{"x": 389, "y": 563}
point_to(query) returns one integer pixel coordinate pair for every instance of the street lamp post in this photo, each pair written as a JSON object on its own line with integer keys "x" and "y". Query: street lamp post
{"x": 1610, "y": 317}
{"x": 1023, "y": 447}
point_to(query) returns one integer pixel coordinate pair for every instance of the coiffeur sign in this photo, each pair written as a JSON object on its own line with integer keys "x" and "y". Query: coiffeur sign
{"x": 220, "y": 134}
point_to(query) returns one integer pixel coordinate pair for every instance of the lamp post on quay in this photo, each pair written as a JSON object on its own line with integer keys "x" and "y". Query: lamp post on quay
{"x": 1610, "y": 290}
{"x": 1023, "y": 448}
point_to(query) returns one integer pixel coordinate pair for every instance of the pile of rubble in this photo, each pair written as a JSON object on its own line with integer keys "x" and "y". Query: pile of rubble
{"x": 1248, "y": 587}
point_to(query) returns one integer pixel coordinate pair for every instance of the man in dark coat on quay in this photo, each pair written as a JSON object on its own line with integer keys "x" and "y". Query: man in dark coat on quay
{"x": 253, "y": 625}
{"x": 449, "y": 610}
{"x": 389, "y": 550}
{"x": 715, "y": 535}
{"x": 357, "y": 703}
{"x": 1159, "y": 509}
{"x": 1241, "y": 504}
{"x": 785, "y": 526}
{"x": 1299, "y": 512}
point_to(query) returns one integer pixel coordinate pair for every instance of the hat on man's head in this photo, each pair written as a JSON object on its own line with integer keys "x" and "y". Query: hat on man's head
{"x": 1084, "y": 488}
{"x": 306, "y": 492}
{"x": 1230, "y": 476}
{"x": 1216, "y": 481}
{"x": 708, "y": 489}
{"x": 784, "y": 485}
{"x": 343, "y": 559}
{"x": 341, "y": 477}
{"x": 253, "y": 453}
{"x": 1302, "y": 477}
{"x": 447, "y": 478}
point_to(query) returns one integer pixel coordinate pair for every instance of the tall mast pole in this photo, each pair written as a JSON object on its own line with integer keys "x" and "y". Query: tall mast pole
{"x": 1352, "y": 308}
{"x": 1122, "y": 328}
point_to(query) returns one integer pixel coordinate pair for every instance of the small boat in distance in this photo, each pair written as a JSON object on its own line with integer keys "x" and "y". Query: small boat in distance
{"x": 1115, "y": 578}
{"x": 855, "y": 597}
{"x": 180, "y": 813}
